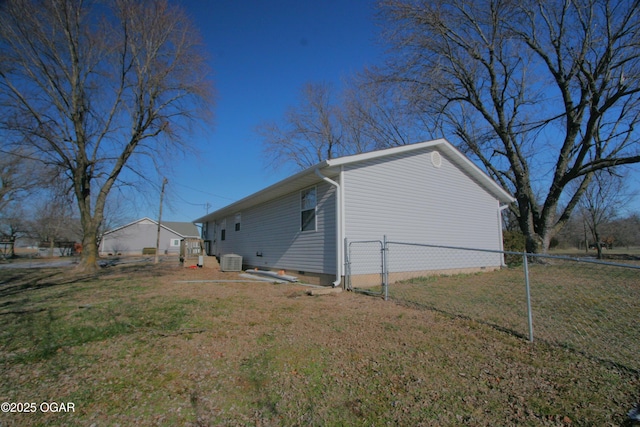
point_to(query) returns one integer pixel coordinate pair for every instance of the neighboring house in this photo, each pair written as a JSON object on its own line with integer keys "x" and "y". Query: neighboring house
{"x": 132, "y": 238}
{"x": 426, "y": 193}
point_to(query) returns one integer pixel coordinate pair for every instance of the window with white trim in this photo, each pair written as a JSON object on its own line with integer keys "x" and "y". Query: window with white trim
{"x": 308, "y": 203}
{"x": 238, "y": 220}
{"x": 175, "y": 242}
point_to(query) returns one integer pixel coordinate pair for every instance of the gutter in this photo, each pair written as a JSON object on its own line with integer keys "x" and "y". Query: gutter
{"x": 338, "y": 280}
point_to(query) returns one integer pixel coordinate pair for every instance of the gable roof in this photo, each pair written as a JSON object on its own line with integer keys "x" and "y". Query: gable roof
{"x": 182, "y": 229}
{"x": 331, "y": 168}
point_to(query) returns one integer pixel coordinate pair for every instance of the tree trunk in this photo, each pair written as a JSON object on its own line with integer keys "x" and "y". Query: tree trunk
{"x": 89, "y": 256}
{"x": 90, "y": 225}
{"x": 538, "y": 227}
{"x": 12, "y": 253}
{"x": 596, "y": 236}
{"x": 533, "y": 243}
{"x": 527, "y": 223}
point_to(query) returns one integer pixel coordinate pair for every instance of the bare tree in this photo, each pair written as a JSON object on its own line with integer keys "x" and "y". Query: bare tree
{"x": 13, "y": 225}
{"x": 601, "y": 203}
{"x": 627, "y": 230}
{"x": 53, "y": 223}
{"x": 542, "y": 93}
{"x": 325, "y": 124}
{"x": 92, "y": 87}
{"x": 18, "y": 176}
{"x": 309, "y": 132}
{"x": 377, "y": 115}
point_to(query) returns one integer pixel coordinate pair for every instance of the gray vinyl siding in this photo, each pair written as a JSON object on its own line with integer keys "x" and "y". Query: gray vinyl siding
{"x": 408, "y": 199}
{"x": 272, "y": 229}
{"x": 130, "y": 240}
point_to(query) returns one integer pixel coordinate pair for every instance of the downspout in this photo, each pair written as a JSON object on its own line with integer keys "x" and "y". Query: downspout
{"x": 501, "y": 242}
{"x": 338, "y": 280}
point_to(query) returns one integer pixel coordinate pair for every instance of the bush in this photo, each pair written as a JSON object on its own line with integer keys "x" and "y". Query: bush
{"x": 513, "y": 241}
{"x": 148, "y": 251}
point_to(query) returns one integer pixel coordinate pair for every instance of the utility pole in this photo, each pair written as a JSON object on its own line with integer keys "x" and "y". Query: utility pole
{"x": 164, "y": 183}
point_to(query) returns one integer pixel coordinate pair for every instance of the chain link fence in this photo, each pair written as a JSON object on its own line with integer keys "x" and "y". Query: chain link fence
{"x": 365, "y": 267}
{"x": 588, "y": 306}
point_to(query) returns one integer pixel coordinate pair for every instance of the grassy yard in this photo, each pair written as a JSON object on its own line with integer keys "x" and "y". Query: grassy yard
{"x": 156, "y": 345}
{"x": 590, "y": 308}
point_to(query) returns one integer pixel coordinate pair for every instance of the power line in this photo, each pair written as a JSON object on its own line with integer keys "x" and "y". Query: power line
{"x": 204, "y": 192}
{"x": 207, "y": 205}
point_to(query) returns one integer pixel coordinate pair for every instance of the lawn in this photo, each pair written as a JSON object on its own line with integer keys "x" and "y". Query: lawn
{"x": 590, "y": 308}
{"x": 158, "y": 345}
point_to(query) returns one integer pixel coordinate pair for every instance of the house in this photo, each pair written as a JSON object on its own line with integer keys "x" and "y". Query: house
{"x": 132, "y": 238}
{"x": 426, "y": 193}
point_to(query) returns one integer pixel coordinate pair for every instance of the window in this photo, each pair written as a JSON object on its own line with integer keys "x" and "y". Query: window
{"x": 175, "y": 242}
{"x": 308, "y": 209}
{"x": 238, "y": 218}
{"x": 223, "y": 229}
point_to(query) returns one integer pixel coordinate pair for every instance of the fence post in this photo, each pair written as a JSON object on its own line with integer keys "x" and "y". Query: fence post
{"x": 385, "y": 271}
{"x": 525, "y": 263}
{"x": 347, "y": 266}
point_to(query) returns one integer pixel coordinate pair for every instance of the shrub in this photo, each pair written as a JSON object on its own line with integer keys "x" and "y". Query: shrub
{"x": 513, "y": 241}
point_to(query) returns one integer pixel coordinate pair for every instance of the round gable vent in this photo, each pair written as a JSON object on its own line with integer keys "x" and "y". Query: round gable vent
{"x": 436, "y": 159}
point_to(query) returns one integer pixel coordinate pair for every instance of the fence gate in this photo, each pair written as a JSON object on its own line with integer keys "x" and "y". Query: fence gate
{"x": 365, "y": 271}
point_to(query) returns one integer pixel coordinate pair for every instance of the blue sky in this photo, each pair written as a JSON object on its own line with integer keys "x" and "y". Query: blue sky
{"x": 262, "y": 52}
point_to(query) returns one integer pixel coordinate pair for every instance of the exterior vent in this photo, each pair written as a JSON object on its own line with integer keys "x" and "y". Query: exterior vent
{"x": 436, "y": 159}
{"x": 231, "y": 262}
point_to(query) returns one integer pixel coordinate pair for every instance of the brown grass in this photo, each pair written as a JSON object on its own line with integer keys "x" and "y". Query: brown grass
{"x": 590, "y": 308}
{"x": 140, "y": 346}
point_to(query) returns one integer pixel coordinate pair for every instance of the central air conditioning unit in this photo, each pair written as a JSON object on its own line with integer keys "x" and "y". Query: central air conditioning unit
{"x": 231, "y": 262}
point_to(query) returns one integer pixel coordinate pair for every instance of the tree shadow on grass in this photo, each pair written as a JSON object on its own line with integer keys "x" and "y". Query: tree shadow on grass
{"x": 13, "y": 282}
{"x": 16, "y": 282}
{"x": 525, "y": 337}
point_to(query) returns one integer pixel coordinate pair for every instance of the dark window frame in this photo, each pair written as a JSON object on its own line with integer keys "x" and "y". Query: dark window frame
{"x": 308, "y": 209}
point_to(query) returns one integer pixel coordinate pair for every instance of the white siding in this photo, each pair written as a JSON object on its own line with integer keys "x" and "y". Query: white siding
{"x": 408, "y": 199}
{"x": 272, "y": 229}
